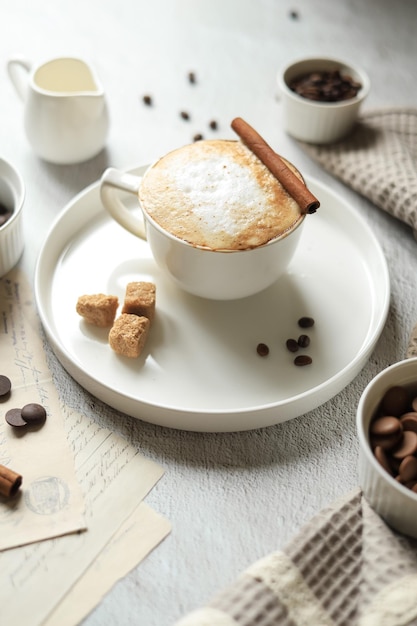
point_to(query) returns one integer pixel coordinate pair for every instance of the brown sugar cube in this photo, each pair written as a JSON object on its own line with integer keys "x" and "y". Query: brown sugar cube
{"x": 128, "y": 334}
{"x": 98, "y": 309}
{"x": 140, "y": 299}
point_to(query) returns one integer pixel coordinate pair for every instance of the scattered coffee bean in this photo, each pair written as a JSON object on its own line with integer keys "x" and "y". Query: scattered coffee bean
{"x": 198, "y": 137}
{"x": 213, "y": 125}
{"x": 185, "y": 115}
{"x": 33, "y": 413}
{"x": 5, "y": 386}
{"x": 306, "y": 322}
{"x": 294, "y": 15}
{"x": 5, "y": 214}
{"x": 393, "y": 436}
{"x": 262, "y": 349}
{"x": 192, "y": 78}
{"x": 303, "y": 359}
{"x": 292, "y": 345}
{"x": 325, "y": 86}
{"x": 147, "y": 100}
{"x": 303, "y": 341}
{"x": 14, "y": 418}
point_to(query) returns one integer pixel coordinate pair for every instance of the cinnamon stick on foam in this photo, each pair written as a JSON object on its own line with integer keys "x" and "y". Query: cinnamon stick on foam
{"x": 291, "y": 183}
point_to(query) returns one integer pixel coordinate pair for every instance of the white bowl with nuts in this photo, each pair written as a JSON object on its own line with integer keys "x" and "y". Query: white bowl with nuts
{"x": 387, "y": 431}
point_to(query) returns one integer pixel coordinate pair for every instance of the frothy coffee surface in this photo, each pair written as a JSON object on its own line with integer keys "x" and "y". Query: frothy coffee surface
{"x": 217, "y": 194}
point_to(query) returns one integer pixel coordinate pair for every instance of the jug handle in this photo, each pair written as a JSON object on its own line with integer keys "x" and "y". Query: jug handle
{"x": 20, "y": 82}
{"x": 112, "y": 182}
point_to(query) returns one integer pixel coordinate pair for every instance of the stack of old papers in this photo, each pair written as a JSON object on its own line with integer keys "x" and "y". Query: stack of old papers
{"x": 81, "y": 503}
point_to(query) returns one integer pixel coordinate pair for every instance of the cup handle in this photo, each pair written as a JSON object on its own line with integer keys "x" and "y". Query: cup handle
{"x": 112, "y": 182}
{"x": 19, "y": 80}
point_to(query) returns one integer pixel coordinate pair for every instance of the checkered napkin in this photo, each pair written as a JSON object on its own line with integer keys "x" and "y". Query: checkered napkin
{"x": 345, "y": 568}
{"x": 378, "y": 160}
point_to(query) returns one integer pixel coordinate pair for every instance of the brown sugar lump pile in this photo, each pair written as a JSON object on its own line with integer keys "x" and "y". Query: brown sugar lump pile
{"x": 98, "y": 309}
{"x": 140, "y": 299}
{"x": 128, "y": 334}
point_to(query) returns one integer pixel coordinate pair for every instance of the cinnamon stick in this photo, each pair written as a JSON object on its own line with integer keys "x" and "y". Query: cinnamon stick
{"x": 307, "y": 202}
{"x": 10, "y": 482}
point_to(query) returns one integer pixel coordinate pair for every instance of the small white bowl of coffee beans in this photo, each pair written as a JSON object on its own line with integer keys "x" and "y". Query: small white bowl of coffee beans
{"x": 387, "y": 432}
{"x": 321, "y": 98}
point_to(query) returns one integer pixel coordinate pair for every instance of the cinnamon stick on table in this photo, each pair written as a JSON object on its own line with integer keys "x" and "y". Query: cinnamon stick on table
{"x": 9, "y": 482}
{"x": 307, "y": 202}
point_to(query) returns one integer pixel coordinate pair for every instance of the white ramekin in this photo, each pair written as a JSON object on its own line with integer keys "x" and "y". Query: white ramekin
{"x": 396, "y": 504}
{"x": 319, "y": 122}
{"x": 12, "y": 195}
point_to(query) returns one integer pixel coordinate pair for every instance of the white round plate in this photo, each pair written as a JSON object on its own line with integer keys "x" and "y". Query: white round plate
{"x": 200, "y": 369}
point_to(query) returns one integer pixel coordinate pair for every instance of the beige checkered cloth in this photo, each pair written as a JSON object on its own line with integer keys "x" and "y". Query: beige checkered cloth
{"x": 345, "y": 568}
{"x": 378, "y": 160}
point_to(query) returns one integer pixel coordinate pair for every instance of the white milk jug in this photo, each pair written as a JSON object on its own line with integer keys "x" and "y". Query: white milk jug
{"x": 65, "y": 112}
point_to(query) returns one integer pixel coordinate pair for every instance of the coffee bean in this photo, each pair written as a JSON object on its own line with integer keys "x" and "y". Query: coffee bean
{"x": 33, "y": 413}
{"x": 325, "y": 86}
{"x": 292, "y": 345}
{"x": 192, "y": 78}
{"x": 213, "y": 125}
{"x": 198, "y": 137}
{"x": 262, "y": 349}
{"x": 185, "y": 115}
{"x": 303, "y": 359}
{"x": 147, "y": 100}
{"x": 14, "y": 418}
{"x": 306, "y": 322}
{"x": 5, "y": 386}
{"x": 303, "y": 341}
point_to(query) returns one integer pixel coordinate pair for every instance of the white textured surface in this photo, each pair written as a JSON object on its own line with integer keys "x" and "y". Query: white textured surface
{"x": 231, "y": 498}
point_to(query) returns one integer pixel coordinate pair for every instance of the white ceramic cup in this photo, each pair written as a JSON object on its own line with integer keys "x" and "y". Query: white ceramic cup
{"x": 319, "y": 122}
{"x": 396, "y": 504}
{"x": 213, "y": 274}
{"x": 12, "y": 195}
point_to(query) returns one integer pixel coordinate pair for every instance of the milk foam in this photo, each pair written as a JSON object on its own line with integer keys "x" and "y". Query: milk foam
{"x": 217, "y": 194}
{"x": 217, "y": 189}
